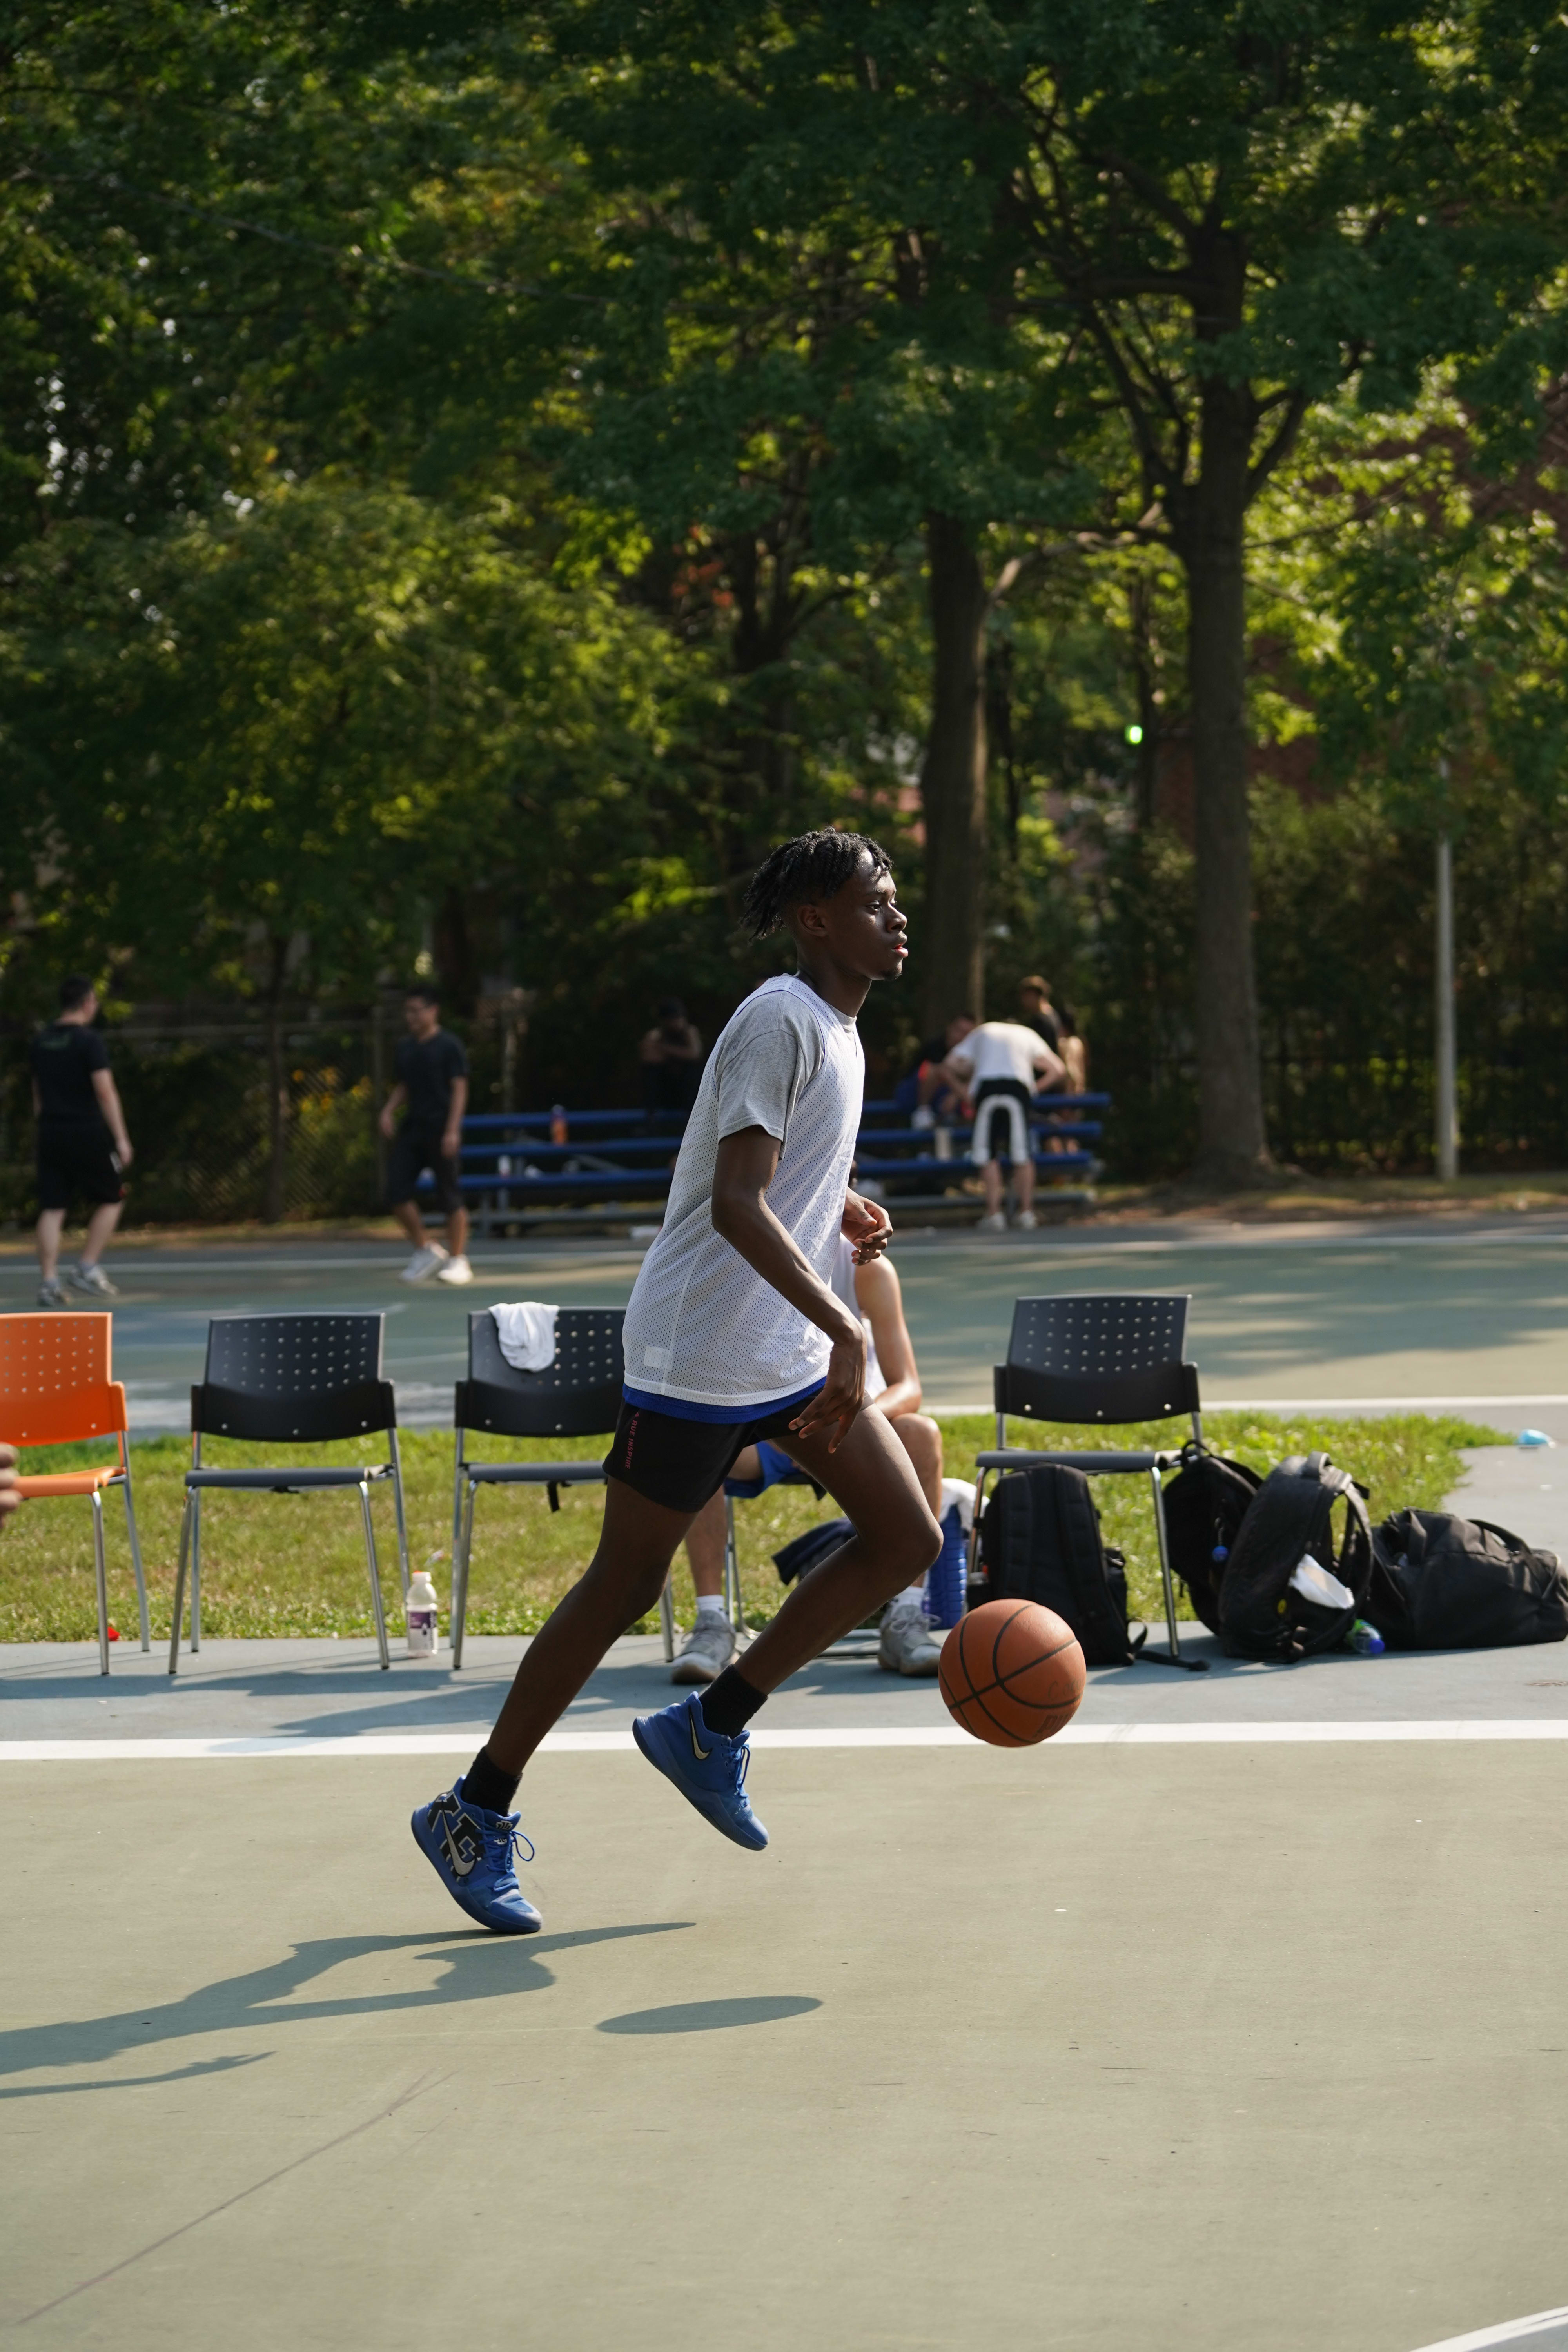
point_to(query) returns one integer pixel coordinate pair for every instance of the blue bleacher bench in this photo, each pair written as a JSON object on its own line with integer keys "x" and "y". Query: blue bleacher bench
{"x": 511, "y": 1171}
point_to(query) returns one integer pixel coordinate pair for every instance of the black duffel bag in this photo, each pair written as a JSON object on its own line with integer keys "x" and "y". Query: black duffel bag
{"x": 1440, "y": 1582}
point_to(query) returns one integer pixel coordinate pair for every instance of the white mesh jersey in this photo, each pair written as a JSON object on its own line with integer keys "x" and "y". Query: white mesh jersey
{"x": 702, "y": 1327}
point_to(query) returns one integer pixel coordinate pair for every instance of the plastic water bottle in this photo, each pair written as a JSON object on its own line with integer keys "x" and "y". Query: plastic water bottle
{"x": 558, "y": 1123}
{"x": 1365, "y": 1640}
{"x": 949, "y": 1574}
{"x": 421, "y": 1608}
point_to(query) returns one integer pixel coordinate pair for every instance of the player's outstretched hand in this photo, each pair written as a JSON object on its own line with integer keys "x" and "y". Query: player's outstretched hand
{"x": 9, "y": 1498}
{"x": 868, "y": 1224}
{"x": 841, "y": 1395}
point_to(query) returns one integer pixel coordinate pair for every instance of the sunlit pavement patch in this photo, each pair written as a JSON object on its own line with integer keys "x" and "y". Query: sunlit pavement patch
{"x": 1545, "y": 2331}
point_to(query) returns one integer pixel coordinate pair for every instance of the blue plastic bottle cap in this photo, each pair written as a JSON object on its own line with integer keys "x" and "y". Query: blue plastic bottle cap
{"x": 1532, "y": 1437}
{"x": 1219, "y": 1552}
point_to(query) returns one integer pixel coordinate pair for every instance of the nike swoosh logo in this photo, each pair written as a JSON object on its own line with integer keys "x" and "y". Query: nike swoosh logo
{"x": 702, "y": 1754}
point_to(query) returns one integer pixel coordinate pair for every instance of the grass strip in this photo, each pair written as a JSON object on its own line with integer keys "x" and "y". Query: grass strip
{"x": 277, "y": 1565}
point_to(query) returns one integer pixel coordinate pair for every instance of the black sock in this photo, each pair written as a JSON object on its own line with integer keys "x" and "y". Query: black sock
{"x": 730, "y": 1702}
{"x": 487, "y": 1786}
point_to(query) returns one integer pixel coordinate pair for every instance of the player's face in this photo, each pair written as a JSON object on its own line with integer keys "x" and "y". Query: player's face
{"x": 866, "y": 927}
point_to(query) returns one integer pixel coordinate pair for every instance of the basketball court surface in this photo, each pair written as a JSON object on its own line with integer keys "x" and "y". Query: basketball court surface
{"x": 1228, "y": 2019}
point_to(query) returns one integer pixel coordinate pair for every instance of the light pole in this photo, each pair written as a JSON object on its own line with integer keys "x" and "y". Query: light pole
{"x": 1447, "y": 1106}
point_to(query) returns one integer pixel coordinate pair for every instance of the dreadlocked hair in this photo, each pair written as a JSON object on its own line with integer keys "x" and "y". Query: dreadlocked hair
{"x": 813, "y": 865}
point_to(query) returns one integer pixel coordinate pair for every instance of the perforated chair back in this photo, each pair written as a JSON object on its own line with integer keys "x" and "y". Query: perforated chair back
{"x": 307, "y": 1377}
{"x": 578, "y": 1394}
{"x": 1094, "y": 1356}
{"x": 54, "y": 1384}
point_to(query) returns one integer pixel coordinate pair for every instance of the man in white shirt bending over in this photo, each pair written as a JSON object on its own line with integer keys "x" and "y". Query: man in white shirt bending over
{"x": 999, "y": 1065}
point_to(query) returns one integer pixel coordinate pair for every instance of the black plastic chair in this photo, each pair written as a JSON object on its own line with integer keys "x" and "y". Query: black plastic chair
{"x": 1086, "y": 1357}
{"x": 301, "y": 1378}
{"x": 578, "y": 1394}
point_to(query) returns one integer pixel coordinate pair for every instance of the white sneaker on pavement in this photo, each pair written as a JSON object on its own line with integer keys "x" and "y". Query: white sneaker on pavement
{"x": 905, "y": 1644}
{"x": 996, "y": 1223}
{"x": 91, "y": 1278}
{"x": 707, "y": 1649}
{"x": 1025, "y": 1222}
{"x": 423, "y": 1263}
{"x": 456, "y": 1270}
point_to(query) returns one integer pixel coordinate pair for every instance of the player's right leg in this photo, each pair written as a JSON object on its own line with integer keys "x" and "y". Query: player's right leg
{"x": 467, "y": 1833}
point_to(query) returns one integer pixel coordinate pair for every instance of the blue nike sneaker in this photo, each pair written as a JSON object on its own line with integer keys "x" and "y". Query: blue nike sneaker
{"x": 709, "y": 1770}
{"x": 471, "y": 1852}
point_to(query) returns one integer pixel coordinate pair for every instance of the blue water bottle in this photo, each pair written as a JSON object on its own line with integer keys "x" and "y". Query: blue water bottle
{"x": 949, "y": 1572}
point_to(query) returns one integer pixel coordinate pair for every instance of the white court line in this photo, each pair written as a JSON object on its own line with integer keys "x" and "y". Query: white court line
{"x": 1511, "y": 2331}
{"x": 460, "y": 1741}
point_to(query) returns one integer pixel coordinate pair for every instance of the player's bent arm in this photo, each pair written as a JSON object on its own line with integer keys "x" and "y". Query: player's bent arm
{"x": 743, "y": 1168}
{"x": 108, "y": 1095}
{"x": 877, "y": 1288}
{"x": 1048, "y": 1067}
{"x": 865, "y": 1223}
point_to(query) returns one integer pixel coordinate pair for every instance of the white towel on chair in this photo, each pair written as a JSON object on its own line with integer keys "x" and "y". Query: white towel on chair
{"x": 526, "y": 1334}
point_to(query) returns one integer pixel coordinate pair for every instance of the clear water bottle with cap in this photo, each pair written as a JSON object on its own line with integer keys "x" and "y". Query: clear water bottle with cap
{"x": 1365, "y": 1640}
{"x": 421, "y": 1610}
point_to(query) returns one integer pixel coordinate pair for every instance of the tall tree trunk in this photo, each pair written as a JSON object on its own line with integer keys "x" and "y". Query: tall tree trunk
{"x": 953, "y": 783}
{"x": 1210, "y": 537}
{"x": 275, "y": 1190}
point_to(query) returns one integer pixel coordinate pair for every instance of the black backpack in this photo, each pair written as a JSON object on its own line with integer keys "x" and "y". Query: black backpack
{"x": 1292, "y": 1516}
{"x": 1039, "y": 1540}
{"x": 1439, "y": 1582}
{"x": 1205, "y": 1503}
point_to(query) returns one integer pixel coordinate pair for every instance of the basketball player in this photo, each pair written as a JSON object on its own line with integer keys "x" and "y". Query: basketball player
{"x": 734, "y": 1333}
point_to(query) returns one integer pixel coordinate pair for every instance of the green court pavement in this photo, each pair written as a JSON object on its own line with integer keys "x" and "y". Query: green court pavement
{"x": 1469, "y": 1310}
{"x": 1239, "y": 2049}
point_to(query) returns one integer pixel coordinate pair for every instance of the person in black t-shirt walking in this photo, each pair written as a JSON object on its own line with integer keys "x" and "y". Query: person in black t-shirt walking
{"x": 433, "y": 1080}
{"x": 83, "y": 1149}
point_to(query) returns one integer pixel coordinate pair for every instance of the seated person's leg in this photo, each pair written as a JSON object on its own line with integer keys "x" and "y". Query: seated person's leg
{"x": 921, "y": 1438}
{"x": 904, "y": 1644}
{"x": 710, "y": 1645}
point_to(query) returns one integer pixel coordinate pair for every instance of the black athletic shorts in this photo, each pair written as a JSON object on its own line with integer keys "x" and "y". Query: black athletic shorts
{"x": 413, "y": 1150}
{"x": 76, "y": 1163}
{"x": 681, "y": 1463}
{"x": 1001, "y": 1107}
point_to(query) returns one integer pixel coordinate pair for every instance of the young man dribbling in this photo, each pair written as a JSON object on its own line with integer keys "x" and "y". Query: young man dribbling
{"x": 734, "y": 1333}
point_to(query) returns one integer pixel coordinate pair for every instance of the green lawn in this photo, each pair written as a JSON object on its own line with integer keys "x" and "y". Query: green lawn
{"x": 276, "y": 1565}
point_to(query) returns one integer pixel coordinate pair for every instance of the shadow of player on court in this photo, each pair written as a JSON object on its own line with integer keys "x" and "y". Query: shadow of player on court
{"x": 478, "y": 1966}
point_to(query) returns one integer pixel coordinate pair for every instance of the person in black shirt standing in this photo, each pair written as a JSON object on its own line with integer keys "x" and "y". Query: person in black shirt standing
{"x": 433, "y": 1080}
{"x": 83, "y": 1149}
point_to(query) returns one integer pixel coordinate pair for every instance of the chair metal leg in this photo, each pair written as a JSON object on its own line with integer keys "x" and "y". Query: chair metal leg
{"x": 402, "y": 1516}
{"x": 135, "y": 1546}
{"x": 666, "y": 1621}
{"x": 180, "y": 1580}
{"x": 461, "y": 1577}
{"x": 1165, "y": 1564}
{"x": 195, "y": 1570}
{"x": 733, "y": 1576}
{"x": 377, "y": 1612}
{"x": 101, "y": 1573}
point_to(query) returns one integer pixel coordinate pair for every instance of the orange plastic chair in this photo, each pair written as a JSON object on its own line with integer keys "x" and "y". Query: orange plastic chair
{"x": 55, "y": 1390}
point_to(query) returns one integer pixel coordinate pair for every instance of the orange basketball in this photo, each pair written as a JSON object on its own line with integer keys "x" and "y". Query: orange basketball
{"x": 1012, "y": 1673}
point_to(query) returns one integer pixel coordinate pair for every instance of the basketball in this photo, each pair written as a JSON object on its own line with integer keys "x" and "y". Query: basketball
{"x": 1012, "y": 1673}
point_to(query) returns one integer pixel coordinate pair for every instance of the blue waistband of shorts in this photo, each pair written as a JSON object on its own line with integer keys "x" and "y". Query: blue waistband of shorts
{"x": 683, "y": 1409}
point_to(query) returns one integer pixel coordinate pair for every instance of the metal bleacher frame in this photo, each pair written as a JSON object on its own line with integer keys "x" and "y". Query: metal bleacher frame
{"x": 616, "y": 1163}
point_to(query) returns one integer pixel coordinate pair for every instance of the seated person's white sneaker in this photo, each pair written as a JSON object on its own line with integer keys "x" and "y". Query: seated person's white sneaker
{"x": 1025, "y": 1222}
{"x": 456, "y": 1270}
{"x": 904, "y": 1642}
{"x": 707, "y": 1649}
{"x": 996, "y": 1223}
{"x": 423, "y": 1263}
